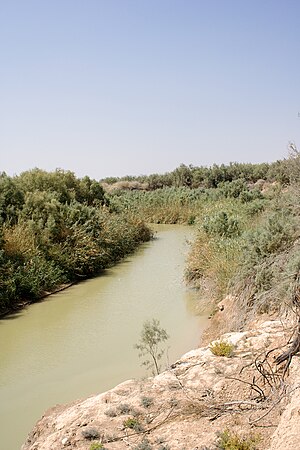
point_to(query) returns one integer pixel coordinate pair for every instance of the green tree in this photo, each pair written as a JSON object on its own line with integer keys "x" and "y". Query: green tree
{"x": 152, "y": 336}
{"x": 11, "y": 199}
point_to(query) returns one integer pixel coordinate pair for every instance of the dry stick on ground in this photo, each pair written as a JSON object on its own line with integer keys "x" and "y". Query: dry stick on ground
{"x": 252, "y": 385}
{"x": 253, "y": 422}
{"x": 295, "y": 347}
{"x": 221, "y": 408}
{"x": 273, "y": 379}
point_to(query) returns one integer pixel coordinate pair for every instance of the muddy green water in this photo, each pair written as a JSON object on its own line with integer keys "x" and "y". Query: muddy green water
{"x": 80, "y": 341}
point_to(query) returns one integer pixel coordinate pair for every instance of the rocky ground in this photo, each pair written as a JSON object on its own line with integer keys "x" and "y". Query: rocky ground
{"x": 191, "y": 403}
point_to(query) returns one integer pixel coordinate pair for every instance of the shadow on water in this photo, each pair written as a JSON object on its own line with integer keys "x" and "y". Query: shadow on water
{"x": 17, "y": 313}
{"x": 13, "y": 315}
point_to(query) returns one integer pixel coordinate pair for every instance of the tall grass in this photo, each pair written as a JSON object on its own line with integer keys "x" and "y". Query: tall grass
{"x": 215, "y": 253}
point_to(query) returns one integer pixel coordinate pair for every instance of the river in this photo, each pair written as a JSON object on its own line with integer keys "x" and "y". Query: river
{"x": 81, "y": 341}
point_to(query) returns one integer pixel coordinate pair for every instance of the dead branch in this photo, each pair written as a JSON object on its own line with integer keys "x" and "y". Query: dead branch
{"x": 252, "y": 385}
{"x": 292, "y": 351}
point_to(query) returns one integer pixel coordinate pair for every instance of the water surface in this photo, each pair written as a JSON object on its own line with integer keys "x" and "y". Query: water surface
{"x": 80, "y": 341}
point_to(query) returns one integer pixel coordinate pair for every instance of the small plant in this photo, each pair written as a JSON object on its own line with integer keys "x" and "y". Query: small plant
{"x": 152, "y": 336}
{"x": 144, "y": 445}
{"x": 222, "y": 225}
{"x": 91, "y": 434}
{"x": 222, "y": 348}
{"x": 96, "y": 446}
{"x": 173, "y": 402}
{"x": 146, "y": 402}
{"x": 111, "y": 412}
{"x": 231, "y": 441}
{"x": 191, "y": 219}
{"x": 124, "y": 408}
{"x": 133, "y": 423}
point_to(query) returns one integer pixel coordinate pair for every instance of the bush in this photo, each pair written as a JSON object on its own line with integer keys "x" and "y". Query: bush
{"x": 221, "y": 225}
{"x": 55, "y": 239}
{"x": 274, "y": 234}
{"x": 91, "y": 434}
{"x": 231, "y": 441}
{"x": 111, "y": 412}
{"x": 222, "y": 348}
{"x": 133, "y": 423}
{"x": 233, "y": 189}
{"x": 144, "y": 445}
{"x": 96, "y": 446}
{"x": 269, "y": 260}
{"x": 124, "y": 408}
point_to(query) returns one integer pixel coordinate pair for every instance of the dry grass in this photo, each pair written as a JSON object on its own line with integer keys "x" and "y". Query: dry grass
{"x": 19, "y": 240}
{"x": 211, "y": 264}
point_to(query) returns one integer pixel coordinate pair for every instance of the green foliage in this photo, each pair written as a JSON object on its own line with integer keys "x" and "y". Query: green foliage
{"x": 180, "y": 204}
{"x": 232, "y": 189}
{"x": 133, "y": 423}
{"x": 221, "y": 225}
{"x": 210, "y": 177}
{"x": 167, "y": 205}
{"x": 254, "y": 208}
{"x": 96, "y": 446}
{"x": 222, "y": 348}
{"x": 215, "y": 252}
{"x": 55, "y": 229}
{"x": 264, "y": 279}
{"x": 231, "y": 441}
{"x": 64, "y": 184}
{"x": 152, "y": 336}
{"x": 11, "y": 199}
{"x": 275, "y": 233}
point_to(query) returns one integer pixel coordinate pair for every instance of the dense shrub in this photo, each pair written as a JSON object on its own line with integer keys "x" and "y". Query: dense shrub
{"x": 228, "y": 440}
{"x": 269, "y": 263}
{"x": 221, "y": 225}
{"x": 222, "y": 348}
{"x": 11, "y": 199}
{"x": 55, "y": 229}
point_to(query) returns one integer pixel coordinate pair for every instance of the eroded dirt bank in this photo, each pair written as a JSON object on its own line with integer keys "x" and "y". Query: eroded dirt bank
{"x": 186, "y": 406}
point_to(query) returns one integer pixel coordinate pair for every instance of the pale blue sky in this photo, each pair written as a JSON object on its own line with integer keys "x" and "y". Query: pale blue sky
{"x": 116, "y": 87}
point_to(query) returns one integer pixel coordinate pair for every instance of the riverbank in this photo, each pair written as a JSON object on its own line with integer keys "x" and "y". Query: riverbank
{"x": 188, "y": 406}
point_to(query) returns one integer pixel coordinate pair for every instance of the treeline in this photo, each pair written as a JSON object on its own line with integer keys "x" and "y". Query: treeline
{"x": 206, "y": 177}
{"x": 56, "y": 229}
{"x": 186, "y": 205}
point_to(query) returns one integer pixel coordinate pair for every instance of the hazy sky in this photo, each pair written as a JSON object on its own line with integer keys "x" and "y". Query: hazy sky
{"x": 116, "y": 87}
